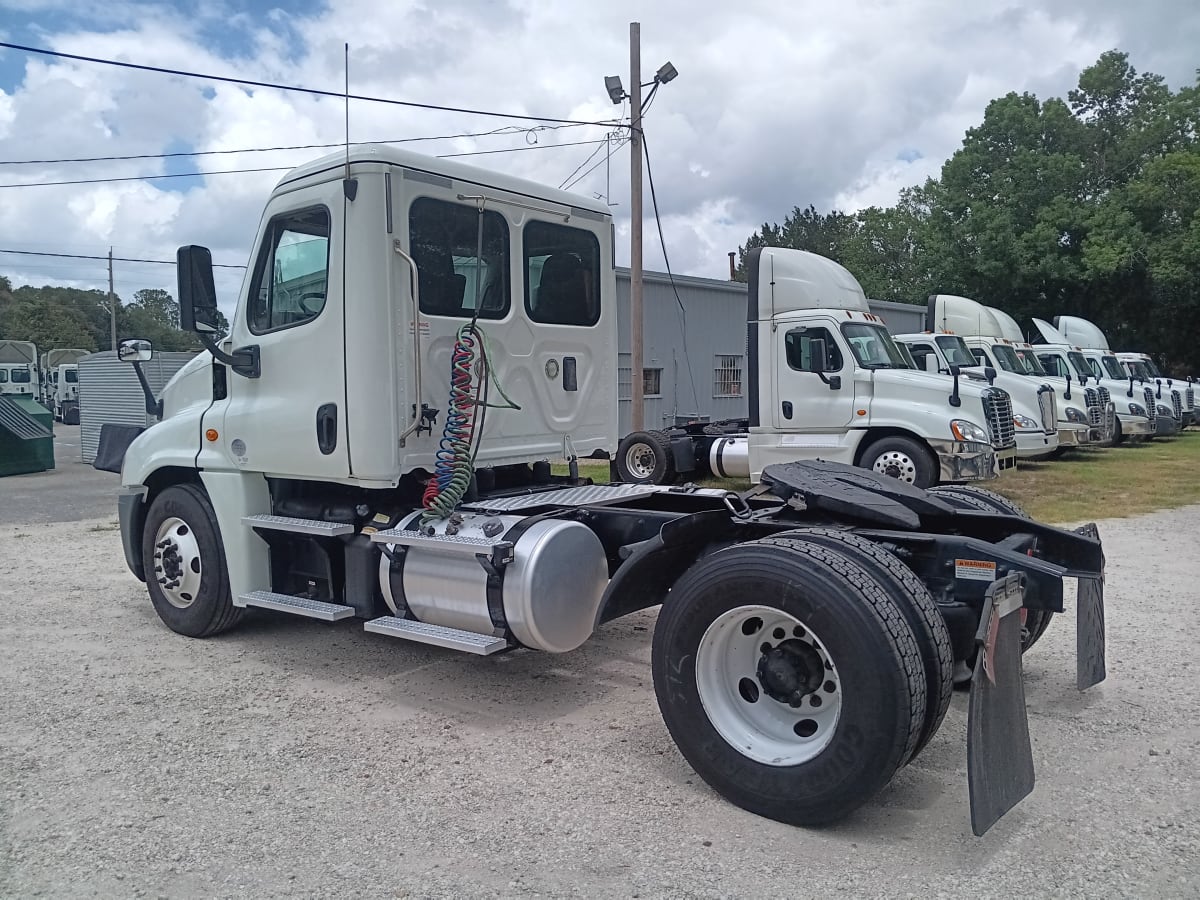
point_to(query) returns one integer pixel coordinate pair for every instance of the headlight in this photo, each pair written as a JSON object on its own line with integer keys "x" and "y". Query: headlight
{"x": 1135, "y": 410}
{"x": 1026, "y": 424}
{"x": 968, "y": 431}
{"x": 1166, "y": 411}
{"x": 1076, "y": 415}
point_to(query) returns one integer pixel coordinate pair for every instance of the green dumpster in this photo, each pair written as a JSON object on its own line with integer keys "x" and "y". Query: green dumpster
{"x": 26, "y": 435}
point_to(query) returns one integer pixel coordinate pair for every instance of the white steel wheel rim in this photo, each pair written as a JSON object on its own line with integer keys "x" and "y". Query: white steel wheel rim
{"x": 738, "y": 700}
{"x": 896, "y": 464}
{"x": 177, "y": 564}
{"x": 640, "y": 459}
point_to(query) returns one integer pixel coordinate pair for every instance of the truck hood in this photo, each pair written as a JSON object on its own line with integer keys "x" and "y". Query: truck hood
{"x": 1050, "y": 334}
{"x": 934, "y": 382}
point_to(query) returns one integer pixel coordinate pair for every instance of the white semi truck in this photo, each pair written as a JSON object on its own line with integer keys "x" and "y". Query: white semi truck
{"x": 415, "y": 340}
{"x": 60, "y": 383}
{"x": 827, "y": 381}
{"x": 1035, "y": 410}
{"x": 995, "y": 340}
{"x": 19, "y": 368}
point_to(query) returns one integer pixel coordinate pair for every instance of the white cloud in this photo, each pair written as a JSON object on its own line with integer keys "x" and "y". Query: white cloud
{"x": 776, "y": 105}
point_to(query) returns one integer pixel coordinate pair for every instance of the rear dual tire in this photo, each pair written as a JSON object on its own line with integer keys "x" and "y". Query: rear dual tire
{"x": 746, "y": 640}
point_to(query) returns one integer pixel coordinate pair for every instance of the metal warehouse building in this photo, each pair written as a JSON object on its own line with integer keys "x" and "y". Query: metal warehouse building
{"x": 694, "y": 362}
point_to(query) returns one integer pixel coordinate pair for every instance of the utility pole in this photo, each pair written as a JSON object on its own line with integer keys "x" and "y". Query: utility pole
{"x": 112, "y": 302}
{"x": 637, "y": 407}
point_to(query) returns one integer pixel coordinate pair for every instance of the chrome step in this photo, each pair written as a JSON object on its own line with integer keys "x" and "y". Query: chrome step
{"x": 298, "y": 526}
{"x": 453, "y": 543}
{"x": 439, "y": 636}
{"x": 300, "y": 606}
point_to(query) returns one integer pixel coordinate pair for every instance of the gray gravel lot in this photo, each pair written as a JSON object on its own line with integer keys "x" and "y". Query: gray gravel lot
{"x": 68, "y": 492}
{"x": 296, "y": 758}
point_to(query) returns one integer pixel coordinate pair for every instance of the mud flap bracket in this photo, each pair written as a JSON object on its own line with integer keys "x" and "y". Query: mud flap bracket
{"x": 999, "y": 755}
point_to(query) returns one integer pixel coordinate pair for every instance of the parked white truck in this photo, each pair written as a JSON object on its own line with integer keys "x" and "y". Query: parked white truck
{"x": 60, "y": 383}
{"x": 415, "y": 340}
{"x": 827, "y": 381}
{"x": 19, "y": 368}
{"x": 1035, "y": 410}
{"x": 995, "y": 340}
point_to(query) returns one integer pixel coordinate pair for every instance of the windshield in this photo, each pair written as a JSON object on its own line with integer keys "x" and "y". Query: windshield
{"x": 72, "y": 376}
{"x": 956, "y": 351}
{"x": 1079, "y": 361}
{"x": 908, "y": 357}
{"x": 873, "y": 347}
{"x": 1113, "y": 367}
{"x": 1007, "y": 359}
{"x": 1152, "y": 368}
{"x": 1028, "y": 359}
{"x": 20, "y": 376}
{"x": 1142, "y": 370}
{"x": 1095, "y": 367}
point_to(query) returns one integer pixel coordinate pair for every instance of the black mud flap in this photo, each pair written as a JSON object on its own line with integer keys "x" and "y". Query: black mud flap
{"x": 999, "y": 756}
{"x": 1089, "y": 623}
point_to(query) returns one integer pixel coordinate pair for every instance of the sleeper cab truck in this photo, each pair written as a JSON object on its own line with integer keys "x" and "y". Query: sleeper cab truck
{"x": 18, "y": 368}
{"x": 60, "y": 383}
{"x": 396, "y": 306}
{"x": 995, "y": 340}
{"x": 1169, "y": 399}
{"x": 1136, "y": 411}
{"x": 826, "y": 381}
{"x": 1177, "y": 393}
{"x": 1035, "y": 412}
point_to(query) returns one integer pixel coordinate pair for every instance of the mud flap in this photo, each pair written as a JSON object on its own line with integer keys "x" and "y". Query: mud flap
{"x": 999, "y": 755}
{"x": 1089, "y": 623}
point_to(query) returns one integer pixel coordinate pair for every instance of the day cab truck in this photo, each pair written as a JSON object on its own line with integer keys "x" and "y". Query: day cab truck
{"x": 60, "y": 383}
{"x": 1035, "y": 411}
{"x": 18, "y": 368}
{"x": 416, "y": 339}
{"x": 1136, "y": 409}
{"x": 827, "y": 382}
{"x": 995, "y": 340}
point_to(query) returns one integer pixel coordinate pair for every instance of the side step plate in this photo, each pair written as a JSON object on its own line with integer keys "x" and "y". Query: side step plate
{"x": 298, "y": 526}
{"x": 451, "y": 543}
{"x": 424, "y": 633}
{"x": 300, "y": 606}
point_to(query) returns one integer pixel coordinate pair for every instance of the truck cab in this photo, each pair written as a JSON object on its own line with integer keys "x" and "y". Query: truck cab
{"x": 1178, "y": 393}
{"x": 995, "y": 340}
{"x": 1035, "y": 412}
{"x": 831, "y": 383}
{"x": 18, "y": 368}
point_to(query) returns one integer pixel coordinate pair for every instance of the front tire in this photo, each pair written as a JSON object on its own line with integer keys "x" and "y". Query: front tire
{"x": 789, "y": 679}
{"x": 902, "y": 458}
{"x": 184, "y": 564}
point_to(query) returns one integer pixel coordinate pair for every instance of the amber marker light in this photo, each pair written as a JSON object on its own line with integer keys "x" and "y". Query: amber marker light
{"x": 861, "y": 412}
{"x": 211, "y": 435}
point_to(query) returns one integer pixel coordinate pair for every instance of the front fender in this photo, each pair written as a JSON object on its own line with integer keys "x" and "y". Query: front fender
{"x": 173, "y": 442}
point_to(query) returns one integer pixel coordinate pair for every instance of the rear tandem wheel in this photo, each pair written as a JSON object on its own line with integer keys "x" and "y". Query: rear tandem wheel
{"x": 789, "y": 679}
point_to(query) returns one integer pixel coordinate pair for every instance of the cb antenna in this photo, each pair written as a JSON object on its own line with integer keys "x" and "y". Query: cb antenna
{"x": 349, "y": 185}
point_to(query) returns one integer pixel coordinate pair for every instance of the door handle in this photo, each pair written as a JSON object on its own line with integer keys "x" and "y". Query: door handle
{"x": 787, "y": 409}
{"x": 327, "y": 428}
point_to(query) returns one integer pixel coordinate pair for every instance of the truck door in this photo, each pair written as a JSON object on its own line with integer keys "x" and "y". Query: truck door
{"x": 803, "y": 402}
{"x": 292, "y": 418}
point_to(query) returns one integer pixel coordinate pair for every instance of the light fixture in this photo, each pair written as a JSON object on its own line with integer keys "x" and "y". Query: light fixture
{"x": 616, "y": 92}
{"x": 666, "y": 73}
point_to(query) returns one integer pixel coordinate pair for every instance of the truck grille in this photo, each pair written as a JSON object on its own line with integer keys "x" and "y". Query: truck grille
{"x": 1151, "y": 408}
{"x": 1048, "y": 409}
{"x": 1177, "y": 402}
{"x": 1189, "y": 397}
{"x": 1094, "y": 410}
{"x": 997, "y": 409}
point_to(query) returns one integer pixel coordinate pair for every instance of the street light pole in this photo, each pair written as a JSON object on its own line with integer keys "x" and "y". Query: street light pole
{"x": 637, "y": 407}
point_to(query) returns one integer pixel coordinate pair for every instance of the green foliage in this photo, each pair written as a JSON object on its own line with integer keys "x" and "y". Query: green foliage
{"x": 1089, "y": 206}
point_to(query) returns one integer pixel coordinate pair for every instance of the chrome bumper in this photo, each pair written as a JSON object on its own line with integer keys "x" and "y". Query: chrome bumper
{"x": 968, "y": 461}
{"x": 1073, "y": 435}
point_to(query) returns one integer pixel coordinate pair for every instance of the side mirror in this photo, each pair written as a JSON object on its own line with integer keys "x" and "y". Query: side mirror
{"x": 197, "y": 295}
{"x": 1067, "y": 394}
{"x": 990, "y": 374}
{"x": 135, "y": 351}
{"x": 955, "y": 399}
{"x": 816, "y": 356}
{"x": 931, "y": 363}
{"x": 1130, "y": 393}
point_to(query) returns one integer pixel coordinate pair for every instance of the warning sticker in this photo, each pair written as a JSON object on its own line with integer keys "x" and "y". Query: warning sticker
{"x": 975, "y": 569}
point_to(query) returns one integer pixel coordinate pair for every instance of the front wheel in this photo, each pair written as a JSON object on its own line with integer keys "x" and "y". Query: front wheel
{"x": 788, "y": 679}
{"x": 185, "y": 564}
{"x": 901, "y": 458}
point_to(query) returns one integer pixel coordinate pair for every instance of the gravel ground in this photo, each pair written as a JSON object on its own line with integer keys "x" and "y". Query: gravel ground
{"x": 296, "y": 758}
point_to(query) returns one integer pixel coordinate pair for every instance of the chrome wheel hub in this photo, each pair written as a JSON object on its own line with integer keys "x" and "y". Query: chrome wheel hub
{"x": 177, "y": 566}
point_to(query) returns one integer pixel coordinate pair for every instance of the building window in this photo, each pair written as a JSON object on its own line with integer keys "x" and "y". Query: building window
{"x": 651, "y": 382}
{"x": 624, "y": 377}
{"x": 562, "y": 274}
{"x": 444, "y": 238}
{"x": 292, "y": 272}
{"x": 727, "y": 376}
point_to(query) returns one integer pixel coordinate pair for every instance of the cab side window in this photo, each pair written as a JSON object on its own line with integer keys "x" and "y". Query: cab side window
{"x": 292, "y": 272}
{"x": 444, "y": 241}
{"x": 920, "y": 352}
{"x": 801, "y": 344}
{"x": 1053, "y": 365}
{"x": 981, "y": 357}
{"x": 562, "y": 274}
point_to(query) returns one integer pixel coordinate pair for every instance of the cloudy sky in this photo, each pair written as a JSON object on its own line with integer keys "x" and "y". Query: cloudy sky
{"x": 838, "y": 103}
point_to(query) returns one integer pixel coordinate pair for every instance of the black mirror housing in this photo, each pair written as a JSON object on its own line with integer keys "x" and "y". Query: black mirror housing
{"x": 197, "y": 294}
{"x": 816, "y": 355}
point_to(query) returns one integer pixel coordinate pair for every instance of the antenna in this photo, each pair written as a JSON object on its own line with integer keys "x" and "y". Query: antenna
{"x": 349, "y": 185}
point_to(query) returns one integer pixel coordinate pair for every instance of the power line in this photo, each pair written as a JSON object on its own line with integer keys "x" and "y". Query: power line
{"x": 160, "y": 262}
{"x": 19, "y": 184}
{"x": 297, "y": 89}
{"x": 581, "y": 165}
{"x": 506, "y": 130}
{"x": 617, "y": 146}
